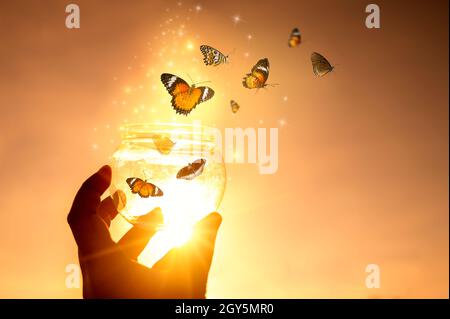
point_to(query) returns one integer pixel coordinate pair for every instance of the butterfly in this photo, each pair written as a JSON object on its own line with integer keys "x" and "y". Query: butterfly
{"x": 184, "y": 97}
{"x": 258, "y": 76}
{"x": 163, "y": 144}
{"x": 234, "y": 106}
{"x": 143, "y": 188}
{"x": 193, "y": 169}
{"x": 321, "y": 66}
{"x": 212, "y": 56}
{"x": 295, "y": 38}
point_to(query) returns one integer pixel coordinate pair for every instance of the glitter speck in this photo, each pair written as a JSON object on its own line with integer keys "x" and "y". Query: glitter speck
{"x": 237, "y": 19}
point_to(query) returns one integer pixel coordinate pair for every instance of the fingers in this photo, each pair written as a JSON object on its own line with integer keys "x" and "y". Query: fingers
{"x": 107, "y": 210}
{"x": 200, "y": 247}
{"x": 189, "y": 264}
{"x": 206, "y": 229}
{"x": 87, "y": 199}
{"x": 87, "y": 227}
{"x": 135, "y": 240}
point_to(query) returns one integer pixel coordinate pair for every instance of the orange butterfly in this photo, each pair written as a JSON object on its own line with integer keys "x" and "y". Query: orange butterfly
{"x": 184, "y": 97}
{"x": 258, "y": 76}
{"x": 143, "y": 188}
{"x": 295, "y": 38}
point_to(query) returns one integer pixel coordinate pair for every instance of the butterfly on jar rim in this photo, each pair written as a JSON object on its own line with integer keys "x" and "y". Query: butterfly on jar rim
{"x": 143, "y": 188}
{"x": 212, "y": 56}
{"x": 163, "y": 144}
{"x": 295, "y": 38}
{"x": 258, "y": 76}
{"x": 185, "y": 97}
{"x": 192, "y": 170}
{"x": 320, "y": 65}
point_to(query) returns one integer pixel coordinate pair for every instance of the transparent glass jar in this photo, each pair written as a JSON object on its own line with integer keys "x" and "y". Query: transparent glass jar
{"x": 156, "y": 153}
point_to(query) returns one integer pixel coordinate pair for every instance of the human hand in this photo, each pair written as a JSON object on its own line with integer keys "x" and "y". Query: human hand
{"x": 110, "y": 269}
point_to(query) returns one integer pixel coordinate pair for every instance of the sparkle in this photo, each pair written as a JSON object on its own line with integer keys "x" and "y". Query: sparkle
{"x": 94, "y": 146}
{"x": 179, "y": 3}
{"x": 261, "y": 122}
{"x": 246, "y": 54}
{"x": 170, "y": 64}
{"x": 285, "y": 98}
{"x": 189, "y": 46}
{"x": 282, "y": 122}
{"x": 198, "y": 8}
{"x": 249, "y": 37}
{"x": 237, "y": 19}
{"x": 127, "y": 90}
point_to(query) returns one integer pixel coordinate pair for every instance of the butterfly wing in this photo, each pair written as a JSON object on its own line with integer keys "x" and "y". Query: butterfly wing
{"x": 135, "y": 184}
{"x": 258, "y": 76}
{"x": 150, "y": 189}
{"x": 212, "y": 56}
{"x": 234, "y": 106}
{"x": 163, "y": 144}
{"x": 184, "y": 103}
{"x": 295, "y": 38}
{"x": 143, "y": 188}
{"x": 184, "y": 97}
{"x": 193, "y": 170}
{"x": 321, "y": 66}
{"x": 174, "y": 84}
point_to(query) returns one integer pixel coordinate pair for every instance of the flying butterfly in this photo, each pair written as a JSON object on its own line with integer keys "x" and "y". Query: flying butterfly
{"x": 163, "y": 144}
{"x": 212, "y": 56}
{"x": 234, "y": 106}
{"x": 185, "y": 97}
{"x": 143, "y": 188}
{"x": 258, "y": 76}
{"x": 193, "y": 170}
{"x": 295, "y": 38}
{"x": 320, "y": 65}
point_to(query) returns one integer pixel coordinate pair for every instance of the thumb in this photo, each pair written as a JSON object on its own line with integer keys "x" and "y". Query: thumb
{"x": 87, "y": 199}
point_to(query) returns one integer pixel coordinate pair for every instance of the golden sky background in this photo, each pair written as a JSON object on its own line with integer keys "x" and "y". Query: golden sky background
{"x": 363, "y": 152}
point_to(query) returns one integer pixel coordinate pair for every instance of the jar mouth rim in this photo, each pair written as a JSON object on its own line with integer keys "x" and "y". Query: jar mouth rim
{"x": 145, "y": 130}
{"x": 162, "y": 125}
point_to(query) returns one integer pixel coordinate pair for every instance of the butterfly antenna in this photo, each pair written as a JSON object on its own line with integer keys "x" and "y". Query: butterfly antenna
{"x": 192, "y": 81}
{"x": 202, "y": 82}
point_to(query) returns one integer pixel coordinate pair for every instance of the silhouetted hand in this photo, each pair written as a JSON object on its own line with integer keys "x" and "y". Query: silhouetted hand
{"x": 110, "y": 269}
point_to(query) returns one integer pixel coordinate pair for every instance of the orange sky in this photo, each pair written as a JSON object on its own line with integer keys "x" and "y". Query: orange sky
{"x": 363, "y": 154}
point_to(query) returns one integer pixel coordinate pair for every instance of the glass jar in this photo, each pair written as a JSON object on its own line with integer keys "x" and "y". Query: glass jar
{"x": 155, "y": 154}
